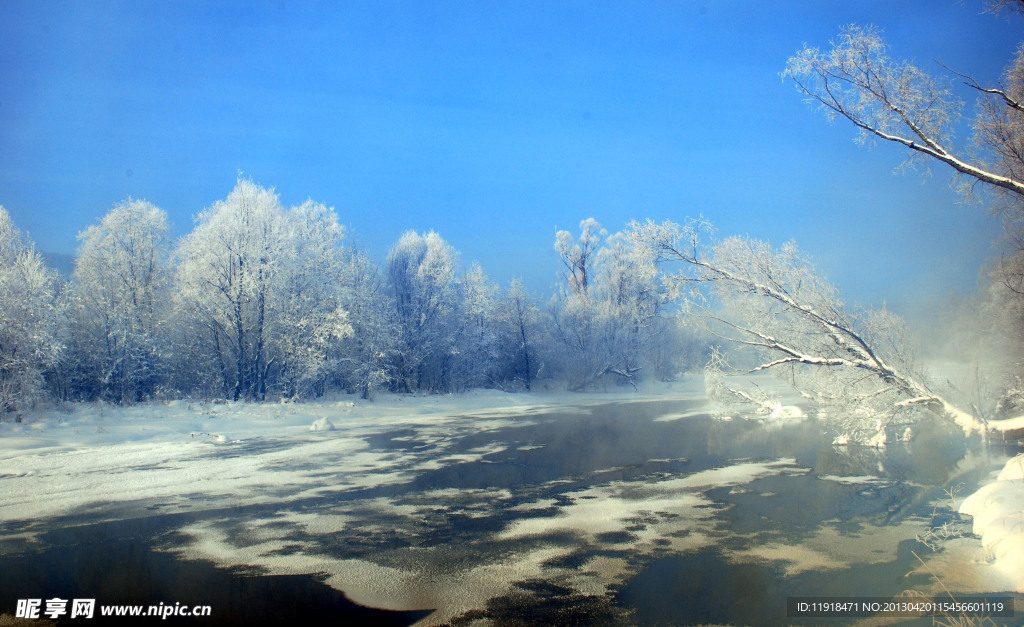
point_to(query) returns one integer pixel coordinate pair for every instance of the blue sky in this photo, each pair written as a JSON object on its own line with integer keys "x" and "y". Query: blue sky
{"x": 493, "y": 123}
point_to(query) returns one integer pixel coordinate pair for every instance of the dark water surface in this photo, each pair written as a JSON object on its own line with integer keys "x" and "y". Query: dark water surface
{"x": 547, "y": 457}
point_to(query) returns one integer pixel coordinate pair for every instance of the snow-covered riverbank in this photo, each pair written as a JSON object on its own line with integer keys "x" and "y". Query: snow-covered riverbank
{"x": 998, "y": 512}
{"x": 98, "y": 453}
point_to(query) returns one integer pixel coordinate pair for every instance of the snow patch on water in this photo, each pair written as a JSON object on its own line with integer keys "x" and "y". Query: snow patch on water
{"x": 636, "y": 513}
{"x": 856, "y": 480}
{"x": 449, "y": 591}
{"x": 828, "y": 548}
{"x": 703, "y": 411}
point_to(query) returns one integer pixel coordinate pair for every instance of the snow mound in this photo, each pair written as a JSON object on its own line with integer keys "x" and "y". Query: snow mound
{"x": 1013, "y": 470}
{"x": 787, "y": 412}
{"x": 322, "y": 424}
{"x": 998, "y": 512}
{"x": 878, "y": 440}
{"x": 774, "y": 410}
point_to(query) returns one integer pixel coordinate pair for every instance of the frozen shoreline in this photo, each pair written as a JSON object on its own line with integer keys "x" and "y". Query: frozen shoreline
{"x": 998, "y": 512}
{"x": 57, "y": 462}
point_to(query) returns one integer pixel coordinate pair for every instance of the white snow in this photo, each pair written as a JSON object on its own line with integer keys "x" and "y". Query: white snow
{"x": 186, "y": 453}
{"x": 878, "y": 440}
{"x": 786, "y": 412}
{"x": 114, "y": 463}
{"x": 852, "y": 480}
{"x": 322, "y": 424}
{"x": 676, "y": 507}
{"x": 1012, "y": 426}
{"x": 998, "y": 512}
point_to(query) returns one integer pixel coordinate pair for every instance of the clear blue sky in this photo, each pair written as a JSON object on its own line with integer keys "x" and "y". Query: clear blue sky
{"x": 493, "y": 123}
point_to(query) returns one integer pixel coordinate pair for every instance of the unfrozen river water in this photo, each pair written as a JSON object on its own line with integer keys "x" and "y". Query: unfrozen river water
{"x": 624, "y": 513}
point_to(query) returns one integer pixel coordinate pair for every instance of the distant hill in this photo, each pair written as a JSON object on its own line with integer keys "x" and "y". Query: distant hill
{"x": 61, "y": 262}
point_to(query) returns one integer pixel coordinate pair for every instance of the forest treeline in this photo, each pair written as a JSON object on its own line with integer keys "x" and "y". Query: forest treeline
{"x": 265, "y": 303}
{"x": 262, "y": 302}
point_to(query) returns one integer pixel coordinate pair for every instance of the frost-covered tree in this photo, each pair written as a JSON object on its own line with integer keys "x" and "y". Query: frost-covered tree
{"x": 368, "y": 358}
{"x": 1012, "y": 6}
{"x": 886, "y": 99}
{"x": 988, "y": 332}
{"x": 31, "y": 313}
{"x": 573, "y": 311}
{"x": 445, "y": 320}
{"x": 519, "y": 334}
{"x": 258, "y": 287}
{"x": 773, "y": 303}
{"x": 476, "y": 358}
{"x": 602, "y": 315}
{"x": 999, "y": 138}
{"x": 896, "y": 101}
{"x": 631, "y": 299}
{"x": 119, "y": 287}
{"x": 311, "y": 320}
{"x": 421, "y": 273}
{"x": 577, "y": 255}
{"x": 228, "y": 269}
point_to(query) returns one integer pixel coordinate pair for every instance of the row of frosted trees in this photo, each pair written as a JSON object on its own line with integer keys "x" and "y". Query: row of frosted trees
{"x": 260, "y": 301}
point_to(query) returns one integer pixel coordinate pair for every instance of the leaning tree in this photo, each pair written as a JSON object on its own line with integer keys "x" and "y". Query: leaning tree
{"x": 857, "y": 366}
{"x": 855, "y": 78}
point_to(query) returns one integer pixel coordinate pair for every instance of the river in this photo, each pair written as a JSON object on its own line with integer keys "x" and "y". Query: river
{"x": 643, "y": 512}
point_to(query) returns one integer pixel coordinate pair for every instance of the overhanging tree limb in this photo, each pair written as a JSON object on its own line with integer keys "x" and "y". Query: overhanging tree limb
{"x": 810, "y": 329}
{"x": 857, "y": 80}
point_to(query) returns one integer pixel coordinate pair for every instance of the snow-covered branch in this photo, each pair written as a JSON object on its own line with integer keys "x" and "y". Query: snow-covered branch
{"x": 895, "y": 102}
{"x": 781, "y": 308}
